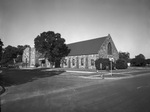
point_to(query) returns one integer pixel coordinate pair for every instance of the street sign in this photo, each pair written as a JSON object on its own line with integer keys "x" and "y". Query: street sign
{"x": 111, "y": 59}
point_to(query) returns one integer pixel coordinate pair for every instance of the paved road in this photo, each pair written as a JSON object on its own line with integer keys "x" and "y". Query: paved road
{"x": 123, "y": 95}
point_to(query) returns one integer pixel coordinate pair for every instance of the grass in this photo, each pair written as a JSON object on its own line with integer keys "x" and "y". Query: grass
{"x": 40, "y": 79}
{"x": 16, "y": 76}
{"x": 20, "y": 76}
{"x": 28, "y": 81}
{"x": 32, "y": 85}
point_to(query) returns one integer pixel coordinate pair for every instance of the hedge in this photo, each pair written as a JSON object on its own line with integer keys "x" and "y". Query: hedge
{"x": 138, "y": 62}
{"x": 105, "y": 64}
{"x": 121, "y": 64}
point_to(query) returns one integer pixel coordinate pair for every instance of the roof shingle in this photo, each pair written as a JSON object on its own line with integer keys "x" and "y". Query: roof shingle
{"x": 86, "y": 47}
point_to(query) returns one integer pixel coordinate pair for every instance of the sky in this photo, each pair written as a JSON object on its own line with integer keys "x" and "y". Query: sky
{"x": 127, "y": 21}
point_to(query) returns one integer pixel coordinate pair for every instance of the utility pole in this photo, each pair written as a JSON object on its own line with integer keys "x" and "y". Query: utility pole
{"x": 111, "y": 60}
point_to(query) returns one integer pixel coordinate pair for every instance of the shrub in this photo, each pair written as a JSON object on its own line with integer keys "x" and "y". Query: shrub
{"x": 37, "y": 65}
{"x": 138, "y": 62}
{"x": 105, "y": 64}
{"x": 121, "y": 64}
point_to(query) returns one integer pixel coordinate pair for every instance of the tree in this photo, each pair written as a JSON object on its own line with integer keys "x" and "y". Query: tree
{"x": 139, "y": 60}
{"x": 53, "y": 46}
{"x": 124, "y": 55}
{"x": 140, "y": 56}
{"x": 148, "y": 61}
{"x": 20, "y": 49}
{"x": 1, "y": 49}
{"x": 10, "y": 53}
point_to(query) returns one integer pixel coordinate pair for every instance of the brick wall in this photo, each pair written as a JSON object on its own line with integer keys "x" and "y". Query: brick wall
{"x": 82, "y": 61}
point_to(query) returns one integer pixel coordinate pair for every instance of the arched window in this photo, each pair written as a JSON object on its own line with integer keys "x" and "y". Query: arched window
{"x": 109, "y": 49}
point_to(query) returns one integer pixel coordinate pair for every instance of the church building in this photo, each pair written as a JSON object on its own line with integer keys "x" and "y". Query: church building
{"x": 82, "y": 55}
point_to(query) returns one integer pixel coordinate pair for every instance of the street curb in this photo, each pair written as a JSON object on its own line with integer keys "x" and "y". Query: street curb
{"x": 96, "y": 77}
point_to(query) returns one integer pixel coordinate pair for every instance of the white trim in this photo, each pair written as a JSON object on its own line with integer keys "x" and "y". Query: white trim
{"x": 71, "y": 71}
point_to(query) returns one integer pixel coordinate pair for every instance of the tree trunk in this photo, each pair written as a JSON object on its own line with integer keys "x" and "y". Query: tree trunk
{"x": 57, "y": 64}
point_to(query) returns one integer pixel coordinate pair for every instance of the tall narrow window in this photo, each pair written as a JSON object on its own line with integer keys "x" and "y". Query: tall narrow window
{"x": 92, "y": 62}
{"x": 73, "y": 62}
{"x": 82, "y": 61}
{"x": 109, "y": 49}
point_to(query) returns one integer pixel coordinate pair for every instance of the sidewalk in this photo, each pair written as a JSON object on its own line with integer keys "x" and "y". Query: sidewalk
{"x": 106, "y": 75}
{"x": 92, "y": 74}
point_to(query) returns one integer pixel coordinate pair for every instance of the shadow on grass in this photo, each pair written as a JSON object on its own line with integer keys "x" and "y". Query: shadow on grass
{"x": 16, "y": 76}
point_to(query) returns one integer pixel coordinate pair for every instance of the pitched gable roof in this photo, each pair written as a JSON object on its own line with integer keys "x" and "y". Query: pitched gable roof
{"x": 86, "y": 47}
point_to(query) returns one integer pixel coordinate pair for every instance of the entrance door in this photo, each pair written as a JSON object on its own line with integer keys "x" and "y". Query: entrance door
{"x": 43, "y": 63}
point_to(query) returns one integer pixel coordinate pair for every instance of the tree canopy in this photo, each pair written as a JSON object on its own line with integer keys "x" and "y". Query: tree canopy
{"x": 52, "y": 46}
{"x": 124, "y": 55}
{"x": 9, "y": 54}
{"x": 147, "y": 61}
{"x": 140, "y": 56}
{"x": 1, "y": 49}
{"x": 139, "y": 60}
{"x": 20, "y": 49}
{"x": 12, "y": 54}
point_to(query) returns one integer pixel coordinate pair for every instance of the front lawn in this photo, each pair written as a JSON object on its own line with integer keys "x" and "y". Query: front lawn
{"x": 17, "y": 76}
{"x": 29, "y": 82}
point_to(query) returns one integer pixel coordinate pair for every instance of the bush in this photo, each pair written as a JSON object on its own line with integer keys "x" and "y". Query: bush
{"x": 138, "y": 62}
{"x": 121, "y": 64}
{"x": 37, "y": 65}
{"x": 105, "y": 64}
